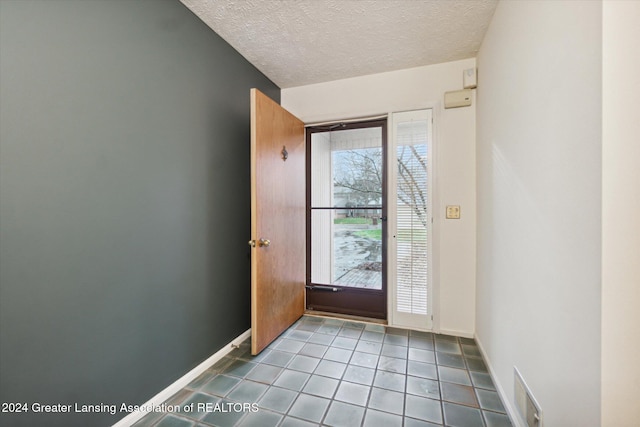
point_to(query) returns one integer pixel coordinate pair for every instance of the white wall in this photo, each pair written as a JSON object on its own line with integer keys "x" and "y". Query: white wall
{"x": 539, "y": 202}
{"x": 620, "y": 214}
{"x": 412, "y": 89}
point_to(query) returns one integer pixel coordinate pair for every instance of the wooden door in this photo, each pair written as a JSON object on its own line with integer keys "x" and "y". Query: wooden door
{"x": 277, "y": 220}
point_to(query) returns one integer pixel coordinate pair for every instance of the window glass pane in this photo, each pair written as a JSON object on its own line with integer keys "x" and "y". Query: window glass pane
{"x": 346, "y": 251}
{"x": 347, "y": 176}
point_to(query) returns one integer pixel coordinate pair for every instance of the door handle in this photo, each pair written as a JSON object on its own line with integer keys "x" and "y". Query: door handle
{"x": 261, "y": 243}
{"x": 323, "y": 288}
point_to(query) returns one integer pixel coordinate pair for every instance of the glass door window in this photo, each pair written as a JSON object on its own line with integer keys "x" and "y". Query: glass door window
{"x": 346, "y": 229}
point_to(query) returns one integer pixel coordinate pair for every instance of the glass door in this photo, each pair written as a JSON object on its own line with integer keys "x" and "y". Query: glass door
{"x": 346, "y": 219}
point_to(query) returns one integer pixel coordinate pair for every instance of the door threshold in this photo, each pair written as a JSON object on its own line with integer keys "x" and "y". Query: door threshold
{"x": 345, "y": 317}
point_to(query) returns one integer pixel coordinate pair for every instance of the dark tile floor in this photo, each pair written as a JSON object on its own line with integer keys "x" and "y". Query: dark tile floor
{"x": 332, "y": 372}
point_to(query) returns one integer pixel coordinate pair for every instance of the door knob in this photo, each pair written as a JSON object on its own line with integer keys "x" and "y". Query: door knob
{"x": 260, "y": 243}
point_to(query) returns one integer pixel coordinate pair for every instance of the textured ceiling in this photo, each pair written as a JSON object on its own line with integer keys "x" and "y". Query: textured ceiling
{"x": 300, "y": 42}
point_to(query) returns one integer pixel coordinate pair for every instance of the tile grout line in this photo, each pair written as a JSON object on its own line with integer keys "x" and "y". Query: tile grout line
{"x": 437, "y": 363}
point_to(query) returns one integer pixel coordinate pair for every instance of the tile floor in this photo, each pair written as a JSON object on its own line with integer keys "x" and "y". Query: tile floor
{"x": 332, "y": 372}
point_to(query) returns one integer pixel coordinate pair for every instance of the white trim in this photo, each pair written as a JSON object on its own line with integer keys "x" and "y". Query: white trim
{"x": 511, "y": 410}
{"x": 391, "y": 214}
{"x": 436, "y": 209}
{"x": 455, "y": 333}
{"x": 179, "y": 384}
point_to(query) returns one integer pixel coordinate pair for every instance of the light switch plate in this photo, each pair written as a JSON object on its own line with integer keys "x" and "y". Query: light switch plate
{"x": 453, "y": 211}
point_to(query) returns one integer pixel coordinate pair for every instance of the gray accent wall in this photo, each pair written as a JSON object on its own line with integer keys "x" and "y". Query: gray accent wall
{"x": 124, "y": 201}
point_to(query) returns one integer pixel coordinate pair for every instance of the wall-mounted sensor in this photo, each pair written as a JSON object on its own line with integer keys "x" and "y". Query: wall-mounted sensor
{"x": 458, "y": 98}
{"x": 469, "y": 78}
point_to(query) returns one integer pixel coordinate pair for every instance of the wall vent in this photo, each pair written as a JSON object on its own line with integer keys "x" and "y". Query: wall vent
{"x": 527, "y": 405}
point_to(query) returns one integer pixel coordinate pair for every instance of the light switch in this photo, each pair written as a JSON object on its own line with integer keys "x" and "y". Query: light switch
{"x": 453, "y": 212}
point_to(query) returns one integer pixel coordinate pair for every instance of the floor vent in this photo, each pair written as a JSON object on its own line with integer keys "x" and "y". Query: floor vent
{"x": 525, "y": 402}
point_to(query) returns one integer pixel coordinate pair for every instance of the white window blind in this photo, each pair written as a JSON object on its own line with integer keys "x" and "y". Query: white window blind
{"x": 413, "y": 217}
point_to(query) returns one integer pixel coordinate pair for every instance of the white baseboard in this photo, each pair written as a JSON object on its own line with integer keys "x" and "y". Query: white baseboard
{"x": 456, "y": 333}
{"x": 182, "y": 382}
{"x": 511, "y": 410}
